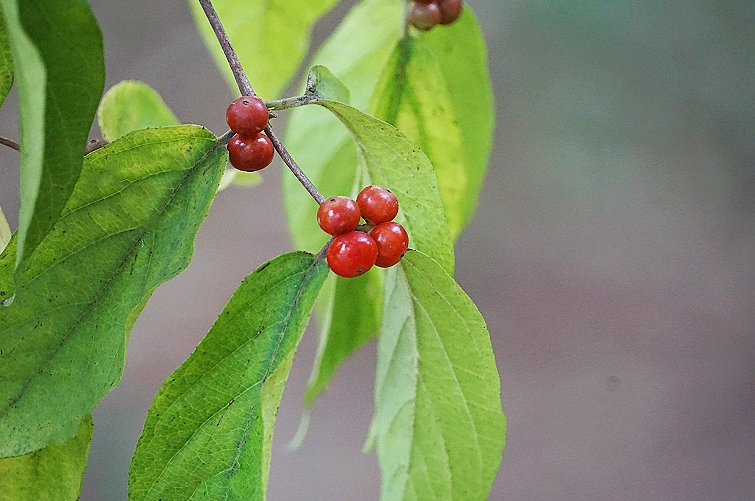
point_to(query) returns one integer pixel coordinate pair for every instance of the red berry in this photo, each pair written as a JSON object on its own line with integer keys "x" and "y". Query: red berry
{"x": 250, "y": 153}
{"x": 352, "y": 254}
{"x": 392, "y": 242}
{"x": 424, "y": 16}
{"x": 338, "y": 215}
{"x": 450, "y": 10}
{"x": 247, "y": 115}
{"x": 377, "y": 204}
{"x": 425, "y": 1}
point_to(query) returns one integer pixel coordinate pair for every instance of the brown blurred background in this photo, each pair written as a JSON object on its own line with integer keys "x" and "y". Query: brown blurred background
{"x": 613, "y": 255}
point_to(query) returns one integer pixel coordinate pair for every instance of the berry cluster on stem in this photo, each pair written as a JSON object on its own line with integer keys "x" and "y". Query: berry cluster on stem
{"x": 357, "y": 248}
{"x": 249, "y": 150}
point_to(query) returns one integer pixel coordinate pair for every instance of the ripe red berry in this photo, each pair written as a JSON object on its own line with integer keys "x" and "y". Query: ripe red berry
{"x": 450, "y": 10}
{"x": 338, "y": 215}
{"x": 425, "y": 16}
{"x": 247, "y": 115}
{"x": 250, "y": 153}
{"x": 392, "y": 242}
{"x": 352, "y": 254}
{"x": 377, "y": 204}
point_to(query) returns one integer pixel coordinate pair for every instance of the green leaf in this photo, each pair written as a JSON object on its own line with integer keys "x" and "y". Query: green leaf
{"x": 438, "y": 425}
{"x": 132, "y": 105}
{"x": 436, "y": 90}
{"x": 51, "y": 474}
{"x": 60, "y": 69}
{"x": 209, "y": 430}
{"x": 271, "y": 38}
{"x": 128, "y": 227}
{"x": 463, "y": 59}
{"x": 5, "y": 232}
{"x": 326, "y": 85}
{"x": 394, "y": 162}
{"x": 6, "y": 61}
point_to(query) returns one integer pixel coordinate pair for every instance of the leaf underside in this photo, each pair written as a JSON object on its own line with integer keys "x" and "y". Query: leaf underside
{"x": 128, "y": 227}
{"x": 438, "y": 425}
{"x": 436, "y": 90}
{"x": 209, "y": 430}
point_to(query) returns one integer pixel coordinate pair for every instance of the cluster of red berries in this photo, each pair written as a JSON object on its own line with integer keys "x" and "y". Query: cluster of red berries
{"x": 250, "y": 149}
{"x": 426, "y": 14}
{"x": 380, "y": 242}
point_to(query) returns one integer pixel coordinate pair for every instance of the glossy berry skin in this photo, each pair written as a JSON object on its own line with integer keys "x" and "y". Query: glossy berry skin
{"x": 450, "y": 10}
{"x": 250, "y": 153}
{"x": 377, "y": 204}
{"x": 424, "y": 16}
{"x": 392, "y": 243}
{"x": 338, "y": 215}
{"x": 352, "y": 254}
{"x": 247, "y": 115}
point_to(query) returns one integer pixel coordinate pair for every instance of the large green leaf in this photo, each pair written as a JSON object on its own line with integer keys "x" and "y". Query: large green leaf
{"x": 271, "y": 38}
{"x": 132, "y": 105}
{"x": 60, "y": 70}
{"x": 50, "y": 474}
{"x": 209, "y": 430}
{"x": 461, "y": 53}
{"x": 438, "y": 425}
{"x": 128, "y": 227}
{"x": 412, "y": 95}
{"x": 6, "y": 61}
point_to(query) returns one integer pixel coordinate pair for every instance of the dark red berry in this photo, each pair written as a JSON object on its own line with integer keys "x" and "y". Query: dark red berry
{"x": 450, "y": 10}
{"x": 425, "y": 1}
{"x": 352, "y": 254}
{"x": 338, "y": 215}
{"x": 250, "y": 153}
{"x": 424, "y": 16}
{"x": 247, "y": 115}
{"x": 392, "y": 242}
{"x": 377, "y": 204}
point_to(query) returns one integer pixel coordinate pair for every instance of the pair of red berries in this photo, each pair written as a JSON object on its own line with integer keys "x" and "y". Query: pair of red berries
{"x": 249, "y": 150}
{"x": 427, "y": 14}
{"x": 353, "y": 252}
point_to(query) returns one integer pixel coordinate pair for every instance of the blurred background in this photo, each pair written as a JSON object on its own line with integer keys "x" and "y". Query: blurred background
{"x": 613, "y": 255}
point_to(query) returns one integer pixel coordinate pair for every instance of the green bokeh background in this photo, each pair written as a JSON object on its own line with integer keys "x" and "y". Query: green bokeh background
{"x": 612, "y": 255}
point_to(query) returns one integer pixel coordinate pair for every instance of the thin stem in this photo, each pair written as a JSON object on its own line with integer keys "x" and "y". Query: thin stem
{"x": 223, "y": 140}
{"x": 10, "y": 143}
{"x": 292, "y": 165}
{"x": 291, "y": 102}
{"x": 246, "y": 90}
{"x": 233, "y": 60}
